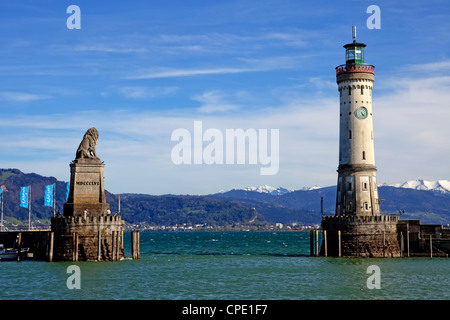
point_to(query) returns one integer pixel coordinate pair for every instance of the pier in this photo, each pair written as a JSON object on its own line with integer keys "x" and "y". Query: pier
{"x": 40, "y": 245}
{"x": 413, "y": 238}
{"x": 31, "y": 244}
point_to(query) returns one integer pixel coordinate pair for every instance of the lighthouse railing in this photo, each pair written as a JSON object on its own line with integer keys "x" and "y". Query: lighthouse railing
{"x": 361, "y": 67}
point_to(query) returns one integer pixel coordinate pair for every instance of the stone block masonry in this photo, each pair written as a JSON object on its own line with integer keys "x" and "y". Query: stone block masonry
{"x": 423, "y": 240}
{"x": 88, "y": 239}
{"x": 87, "y": 193}
{"x": 87, "y": 231}
{"x": 361, "y": 236}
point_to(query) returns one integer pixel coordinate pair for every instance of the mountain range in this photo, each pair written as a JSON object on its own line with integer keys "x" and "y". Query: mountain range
{"x": 442, "y": 186}
{"x": 428, "y": 201}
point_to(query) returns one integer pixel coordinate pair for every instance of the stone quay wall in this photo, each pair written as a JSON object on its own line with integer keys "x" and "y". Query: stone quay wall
{"x": 361, "y": 236}
{"x": 31, "y": 243}
{"x": 77, "y": 238}
{"x": 423, "y": 240}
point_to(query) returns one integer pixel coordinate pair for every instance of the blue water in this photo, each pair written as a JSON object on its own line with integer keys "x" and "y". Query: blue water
{"x": 227, "y": 265}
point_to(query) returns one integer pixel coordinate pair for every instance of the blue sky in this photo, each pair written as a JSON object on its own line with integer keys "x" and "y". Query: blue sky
{"x": 138, "y": 70}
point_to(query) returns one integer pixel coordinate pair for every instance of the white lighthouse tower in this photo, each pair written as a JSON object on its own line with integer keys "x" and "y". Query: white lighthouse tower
{"x": 357, "y": 192}
{"x": 357, "y": 229}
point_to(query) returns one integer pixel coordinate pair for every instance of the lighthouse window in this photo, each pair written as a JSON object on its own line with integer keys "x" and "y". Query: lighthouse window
{"x": 359, "y": 53}
{"x": 349, "y": 91}
{"x": 366, "y": 206}
{"x": 362, "y": 90}
{"x": 364, "y": 155}
{"x": 349, "y": 134}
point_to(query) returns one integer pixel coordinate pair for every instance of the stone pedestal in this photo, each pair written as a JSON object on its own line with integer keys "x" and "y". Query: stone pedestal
{"x": 87, "y": 239}
{"x": 87, "y": 231}
{"x": 362, "y": 236}
{"x": 87, "y": 192}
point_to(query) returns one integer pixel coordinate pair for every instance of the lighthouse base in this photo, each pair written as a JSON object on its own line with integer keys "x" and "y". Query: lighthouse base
{"x": 359, "y": 236}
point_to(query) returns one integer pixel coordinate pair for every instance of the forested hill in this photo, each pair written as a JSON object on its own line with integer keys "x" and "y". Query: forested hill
{"x": 165, "y": 210}
{"x": 234, "y": 207}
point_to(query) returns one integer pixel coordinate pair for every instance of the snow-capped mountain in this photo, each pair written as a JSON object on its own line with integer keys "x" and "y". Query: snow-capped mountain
{"x": 268, "y": 189}
{"x": 276, "y": 191}
{"x": 310, "y": 188}
{"x": 442, "y": 186}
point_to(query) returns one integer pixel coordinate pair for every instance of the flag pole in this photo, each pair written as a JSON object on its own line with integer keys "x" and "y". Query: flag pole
{"x": 2, "y": 210}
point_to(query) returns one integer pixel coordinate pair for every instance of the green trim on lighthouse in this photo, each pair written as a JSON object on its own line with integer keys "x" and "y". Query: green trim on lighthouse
{"x": 354, "y": 53}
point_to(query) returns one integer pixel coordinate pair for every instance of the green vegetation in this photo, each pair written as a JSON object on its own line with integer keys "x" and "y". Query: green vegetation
{"x": 5, "y": 174}
{"x": 227, "y": 210}
{"x": 193, "y": 210}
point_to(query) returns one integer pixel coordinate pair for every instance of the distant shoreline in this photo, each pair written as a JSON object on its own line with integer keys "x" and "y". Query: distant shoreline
{"x": 222, "y": 228}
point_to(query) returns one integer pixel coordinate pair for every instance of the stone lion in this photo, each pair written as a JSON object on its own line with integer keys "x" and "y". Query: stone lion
{"x": 86, "y": 150}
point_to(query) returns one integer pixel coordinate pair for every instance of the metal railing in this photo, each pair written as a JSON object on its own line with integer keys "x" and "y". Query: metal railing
{"x": 44, "y": 227}
{"x": 364, "y": 68}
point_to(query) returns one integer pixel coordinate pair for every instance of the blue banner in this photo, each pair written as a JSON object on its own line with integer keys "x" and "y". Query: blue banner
{"x": 48, "y": 198}
{"x": 24, "y": 197}
{"x": 67, "y": 190}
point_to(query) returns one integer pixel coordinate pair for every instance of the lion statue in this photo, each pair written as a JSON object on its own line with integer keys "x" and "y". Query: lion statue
{"x": 86, "y": 150}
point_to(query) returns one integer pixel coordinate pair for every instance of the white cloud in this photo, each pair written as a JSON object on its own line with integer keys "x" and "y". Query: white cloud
{"x": 109, "y": 49}
{"x": 249, "y": 65}
{"x": 410, "y": 131}
{"x": 213, "y": 101}
{"x": 411, "y": 128}
{"x": 21, "y": 96}
{"x": 173, "y": 73}
{"x": 272, "y": 63}
{"x": 430, "y": 67}
{"x": 145, "y": 92}
{"x": 137, "y": 147}
{"x": 242, "y": 42}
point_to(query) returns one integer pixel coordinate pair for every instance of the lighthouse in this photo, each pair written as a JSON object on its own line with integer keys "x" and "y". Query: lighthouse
{"x": 357, "y": 192}
{"x": 358, "y": 229}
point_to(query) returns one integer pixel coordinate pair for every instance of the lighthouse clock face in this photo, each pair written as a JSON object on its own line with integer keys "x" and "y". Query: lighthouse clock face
{"x": 361, "y": 113}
